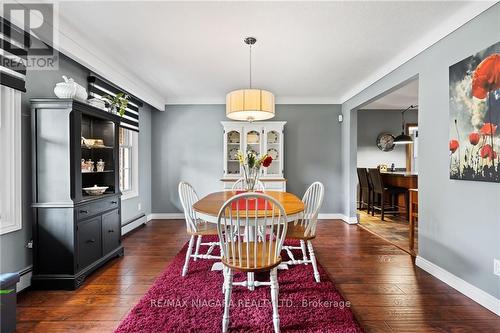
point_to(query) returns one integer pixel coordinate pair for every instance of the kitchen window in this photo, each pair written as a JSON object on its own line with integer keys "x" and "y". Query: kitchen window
{"x": 129, "y": 152}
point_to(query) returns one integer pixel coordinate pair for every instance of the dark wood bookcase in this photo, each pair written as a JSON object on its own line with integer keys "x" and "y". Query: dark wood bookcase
{"x": 73, "y": 233}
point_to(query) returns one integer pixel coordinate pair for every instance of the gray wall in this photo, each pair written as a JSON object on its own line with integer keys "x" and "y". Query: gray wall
{"x": 14, "y": 256}
{"x": 187, "y": 145}
{"x": 459, "y": 221}
{"x": 373, "y": 122}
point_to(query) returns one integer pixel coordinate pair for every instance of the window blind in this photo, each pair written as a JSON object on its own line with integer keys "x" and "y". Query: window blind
{"x": 13, "y": 55}
{"x": 99, "y": 87}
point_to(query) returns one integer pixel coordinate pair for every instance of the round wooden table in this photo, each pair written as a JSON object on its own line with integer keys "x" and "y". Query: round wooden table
{"x": 208, "y": 207}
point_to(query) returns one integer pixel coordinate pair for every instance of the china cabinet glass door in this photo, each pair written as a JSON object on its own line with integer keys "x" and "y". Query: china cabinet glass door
{"x": 253, "y": 140}
{"x": 233, "y": 144}
{"x": 273, "y": 149}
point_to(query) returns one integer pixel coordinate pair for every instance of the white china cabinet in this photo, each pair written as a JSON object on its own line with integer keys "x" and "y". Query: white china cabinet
{"x": 261, "y": 137}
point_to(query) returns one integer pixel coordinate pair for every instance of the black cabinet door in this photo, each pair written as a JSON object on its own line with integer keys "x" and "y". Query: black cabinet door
{"x": 110, "y": 231}
{"x": 89, "y": 242}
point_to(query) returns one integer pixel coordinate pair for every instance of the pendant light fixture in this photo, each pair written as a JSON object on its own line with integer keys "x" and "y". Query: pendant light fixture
{"x": 404, "y": 139}
{"x": 250, "y": 104}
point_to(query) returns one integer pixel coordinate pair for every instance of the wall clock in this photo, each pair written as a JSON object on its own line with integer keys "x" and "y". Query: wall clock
{"x": 385, "y": 141}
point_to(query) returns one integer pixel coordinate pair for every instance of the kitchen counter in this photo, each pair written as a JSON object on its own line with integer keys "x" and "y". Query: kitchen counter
{"x": 400, "y": 173}
{"x": 400, "y": 179}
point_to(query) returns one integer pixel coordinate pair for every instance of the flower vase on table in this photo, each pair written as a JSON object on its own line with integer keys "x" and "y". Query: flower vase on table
{"x": 251, "y": 165}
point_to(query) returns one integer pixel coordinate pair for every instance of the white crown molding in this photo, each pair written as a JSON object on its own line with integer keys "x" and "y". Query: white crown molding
{"x": 279, "y": 101}
{"x": 461, "y": 17}
{"x": 480, "y": 296}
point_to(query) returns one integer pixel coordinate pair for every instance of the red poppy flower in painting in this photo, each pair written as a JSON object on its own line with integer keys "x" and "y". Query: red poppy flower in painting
{"x": 487, "y": 151}
{"x": 454, "y": 146}
{"x": 486, "y": 77}
{"x": 474, "y": 138}
{"x": 488, "y": 129}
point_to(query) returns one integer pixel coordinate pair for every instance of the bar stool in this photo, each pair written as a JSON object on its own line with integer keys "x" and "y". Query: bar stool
{"x": 381, "y": 190}
{"x": 365, "y": 190}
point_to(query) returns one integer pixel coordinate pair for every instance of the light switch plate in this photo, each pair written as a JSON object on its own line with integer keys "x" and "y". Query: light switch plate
{"x": 139, "y": 206}
{"x": 496, "y": 267}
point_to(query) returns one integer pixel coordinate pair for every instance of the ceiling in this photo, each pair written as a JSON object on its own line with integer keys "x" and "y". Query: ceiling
{"x": 398, "y": 99}
{"x": 193, "y": 52}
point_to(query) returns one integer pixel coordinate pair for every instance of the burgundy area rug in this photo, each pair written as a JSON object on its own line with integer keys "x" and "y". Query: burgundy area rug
{"x": 195, "y": 303}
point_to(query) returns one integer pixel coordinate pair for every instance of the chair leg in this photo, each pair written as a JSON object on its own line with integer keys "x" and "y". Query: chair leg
{"x": 198, "y": 243}
{"x": 360, "y": 207}
{"x": 274, "y": 299}
{"x": 369, "y": 202}
{"x": 382, "y": 204}
{"x": 224, "y": 273}
{"x": 313, "y": 260}
{"x": 304, "y": 252}
{"x": 373, "y": 205}
{"x": 188, "y": 256}
{"x": 228, "y": 285}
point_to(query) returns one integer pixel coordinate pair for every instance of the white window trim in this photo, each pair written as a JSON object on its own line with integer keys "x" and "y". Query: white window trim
{"x": 134, "y": 192}
{"x": 10, "y": 167}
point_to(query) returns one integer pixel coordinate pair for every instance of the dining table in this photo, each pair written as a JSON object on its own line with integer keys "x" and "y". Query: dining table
{"x": 208, "y": 207}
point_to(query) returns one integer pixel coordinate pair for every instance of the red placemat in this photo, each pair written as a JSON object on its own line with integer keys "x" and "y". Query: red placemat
{"x": 241, "y": 204}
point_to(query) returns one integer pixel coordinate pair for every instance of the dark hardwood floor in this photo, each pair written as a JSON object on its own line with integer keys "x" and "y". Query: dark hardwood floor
{"x": 387, "y": 291}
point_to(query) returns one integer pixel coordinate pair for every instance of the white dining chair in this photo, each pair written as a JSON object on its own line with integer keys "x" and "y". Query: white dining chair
{"x": 240, "y": 185}
{"x": 196, "y": 228}
{"x": 304, "y": 229}
{"x": 242, "y": 215}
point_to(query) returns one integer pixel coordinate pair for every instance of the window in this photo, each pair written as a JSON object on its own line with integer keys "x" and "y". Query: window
{"x": 10, "y": 165}
{"x": 128, "y": 163}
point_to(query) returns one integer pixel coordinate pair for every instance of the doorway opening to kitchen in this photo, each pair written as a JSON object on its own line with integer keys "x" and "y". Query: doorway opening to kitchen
{"x": 387, "y": 166}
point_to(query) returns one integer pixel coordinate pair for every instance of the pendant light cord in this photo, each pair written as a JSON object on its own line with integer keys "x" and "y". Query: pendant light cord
{"x": 250, "y": 66}
{"x": 403, "y": 115}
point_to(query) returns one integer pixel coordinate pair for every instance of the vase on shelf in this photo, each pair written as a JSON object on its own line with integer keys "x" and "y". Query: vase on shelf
{"x": 112, "y": 109}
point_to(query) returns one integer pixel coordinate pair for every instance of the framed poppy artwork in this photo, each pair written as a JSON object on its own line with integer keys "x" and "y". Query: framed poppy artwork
{"x": 474, "y": 145}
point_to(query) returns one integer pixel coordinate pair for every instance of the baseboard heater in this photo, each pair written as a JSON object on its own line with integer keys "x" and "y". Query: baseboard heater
{"x": 133, "y": 223}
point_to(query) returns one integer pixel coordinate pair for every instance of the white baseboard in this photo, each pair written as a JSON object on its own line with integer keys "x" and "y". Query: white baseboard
{"x": 336, "y": 216}
{"x": 321, "y": 216}
{"x": 132, "y": 225}
{"x": 480, "y": 296}
{"x": 166, "y": 216}
{"x": 330, "y": 216}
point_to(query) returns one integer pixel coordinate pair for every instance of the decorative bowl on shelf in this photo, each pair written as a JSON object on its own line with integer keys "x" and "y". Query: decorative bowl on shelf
{"x": 92, "y": 143}
{"x": 234, "y": 137}
{"x": 273, "y": 153}
{"x": 253, "y": 137}
{"x": 95, "y": 190}
{"x": 233, "y": 154}
{"x": 272, "y": 137}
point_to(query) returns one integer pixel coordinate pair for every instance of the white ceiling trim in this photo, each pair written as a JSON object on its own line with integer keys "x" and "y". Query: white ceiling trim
{"x": 96, "y": 60}
{"x": 451, "y": 24}
{"x": 102, "y": 64}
